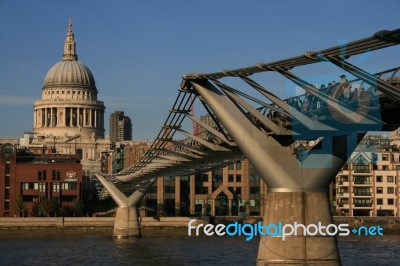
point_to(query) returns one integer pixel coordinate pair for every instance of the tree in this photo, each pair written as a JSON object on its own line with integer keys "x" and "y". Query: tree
{"x": 78, "y": 207}
{"x": 19, "y": 206}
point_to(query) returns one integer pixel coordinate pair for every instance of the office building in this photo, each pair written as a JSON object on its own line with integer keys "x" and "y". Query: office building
{"x": 120, "y": 127}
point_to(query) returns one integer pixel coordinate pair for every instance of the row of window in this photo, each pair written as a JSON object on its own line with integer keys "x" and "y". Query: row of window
{"x": 367, "y": 179}
{"x": 365, "y": 168}
{"x": 55, "y": 175}
{"x": 366, "y": 191}
{"x": 86, "y": 94}
{"x": 237, "y": 164}
{"x": 55, "y": 186}
{"x": 390, "y": 190}
{"x": 367, "y": 202}
{"x": 7, "y": 185}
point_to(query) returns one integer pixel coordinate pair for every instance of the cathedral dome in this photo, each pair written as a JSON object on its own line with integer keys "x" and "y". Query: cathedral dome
{"x": 69, "y": 73}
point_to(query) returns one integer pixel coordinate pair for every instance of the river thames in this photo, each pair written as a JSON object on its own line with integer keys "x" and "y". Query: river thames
{"x": 165, "y": 247}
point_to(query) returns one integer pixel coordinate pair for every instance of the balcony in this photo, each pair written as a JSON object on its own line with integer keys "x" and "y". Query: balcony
{"x": 343, "y": 205}
{"x": 363, "y": 205}
{"x": 361, "y": 169}
{"x": 362, "y": 194}
{"x": 342, "y": 194}
{"x": 343, "y": 183}
{"x": 362, "y": 183}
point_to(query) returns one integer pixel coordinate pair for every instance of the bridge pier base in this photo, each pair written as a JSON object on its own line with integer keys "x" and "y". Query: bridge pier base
{"x": 127, "y": 223}
{"x": 302, "y": 208}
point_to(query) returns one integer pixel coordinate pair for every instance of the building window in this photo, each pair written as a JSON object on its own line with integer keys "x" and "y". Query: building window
{"x": 362, "y": 180}
{"x": 231, "y": 167}
{"x": 230, "y": 178}
{"x": 56, "y": 187}
{"x": 362, "y": 191}
{"x": 379, "y": 201}
{"x": 238, "y": 165}
{"x": 362, "y": 203}
{"x": 238, "y": 178}
{"x": 385, "y": 157}
{"x": 397, "y": 167}
{"x": 169, "y": 189}
{"x": 379, "y": 190}
{"x": 385, "y": 167}
{"x": 379, "y": 178}
{"x": 390, "y": 179}
{"x": 390, "y": 201}
{"x": 238, "y": 191}
{"x": 41, "y": 174}
{"x": 390, "y": 190}
{"x": 30, "y": 186}
{"x": 361, "y": 168}
{"x": 254, "y": 190}
{"x": 55, "y": 175}
{"x": 254, "y": 178}
{"x": 199, "y": 180}
{"x": 42, "y": 187}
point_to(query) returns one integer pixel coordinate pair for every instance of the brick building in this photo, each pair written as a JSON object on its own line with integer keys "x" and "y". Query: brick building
{"x": 37, "y": 182}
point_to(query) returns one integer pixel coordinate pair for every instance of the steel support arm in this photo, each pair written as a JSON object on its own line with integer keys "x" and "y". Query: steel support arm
{"x": 263, "y": 151}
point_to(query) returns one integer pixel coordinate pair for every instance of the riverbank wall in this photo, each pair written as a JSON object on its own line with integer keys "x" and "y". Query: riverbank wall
{"x": 93, "y": 222}
{"x": 388, "y": 223}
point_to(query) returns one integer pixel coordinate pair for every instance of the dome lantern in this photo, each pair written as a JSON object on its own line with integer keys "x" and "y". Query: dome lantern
{"x": 69, "y": 44}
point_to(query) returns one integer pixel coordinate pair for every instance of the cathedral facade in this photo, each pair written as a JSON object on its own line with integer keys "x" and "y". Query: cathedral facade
{"x": 69, "y": 117}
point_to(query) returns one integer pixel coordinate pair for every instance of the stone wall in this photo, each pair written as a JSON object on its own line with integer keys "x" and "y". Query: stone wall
{"x": 88, "y": 222}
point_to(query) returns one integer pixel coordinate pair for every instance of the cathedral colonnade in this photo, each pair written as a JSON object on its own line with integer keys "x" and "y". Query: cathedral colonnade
{"x": 68, "y": 117}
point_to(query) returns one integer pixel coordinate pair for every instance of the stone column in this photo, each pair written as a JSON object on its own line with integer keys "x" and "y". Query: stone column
{"x": 34, "y": 118}
{"x": 51, "y": 116}
{"x": 91, "y": 118}
{"x": 70, "y": 117}
{"x": 45, "y": 119}
{"x": 84, "y": 116}
{"x": 95, "y": 118}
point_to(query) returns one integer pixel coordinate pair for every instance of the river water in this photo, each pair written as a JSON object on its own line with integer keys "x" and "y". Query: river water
{"x": 165, "y": 247}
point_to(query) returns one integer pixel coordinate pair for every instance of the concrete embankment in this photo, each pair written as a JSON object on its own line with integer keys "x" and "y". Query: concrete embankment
{"x": 92, "y": 222}
{"x": 388, "y": 223}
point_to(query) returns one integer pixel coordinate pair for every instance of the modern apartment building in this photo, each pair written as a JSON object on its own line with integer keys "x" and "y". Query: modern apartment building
{"x": 368, "y": 185}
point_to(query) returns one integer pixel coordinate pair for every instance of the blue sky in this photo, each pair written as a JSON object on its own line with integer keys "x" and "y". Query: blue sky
{"x": 139, "y": 50}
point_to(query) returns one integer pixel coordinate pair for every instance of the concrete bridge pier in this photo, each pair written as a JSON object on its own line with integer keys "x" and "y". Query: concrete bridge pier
{"x": 294, "y": 208}
{"x": 127, "y": 222}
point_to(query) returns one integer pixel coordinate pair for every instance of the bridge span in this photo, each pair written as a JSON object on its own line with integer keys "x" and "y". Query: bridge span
{"x": 254, "y": 121}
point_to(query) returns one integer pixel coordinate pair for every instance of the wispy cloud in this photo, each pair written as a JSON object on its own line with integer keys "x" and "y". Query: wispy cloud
{"x": 13, "y": 100}
{"x": 138, "y": 102}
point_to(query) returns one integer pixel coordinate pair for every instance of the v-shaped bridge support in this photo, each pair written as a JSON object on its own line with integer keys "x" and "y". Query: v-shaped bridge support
{"x": 127, "y": 219}
{"x": 297, "y": 186}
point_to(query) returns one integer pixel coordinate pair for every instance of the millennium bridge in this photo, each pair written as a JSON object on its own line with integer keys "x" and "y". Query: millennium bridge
{"x": 254, "y": 122}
